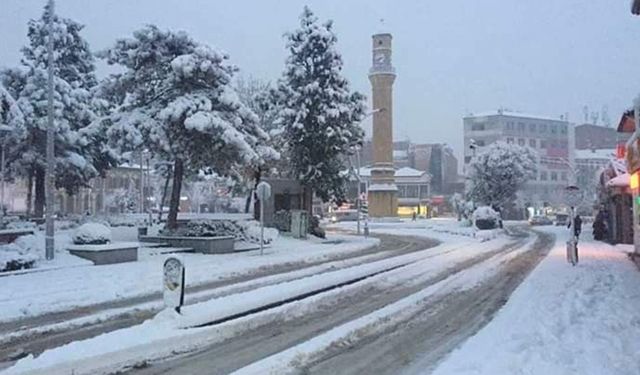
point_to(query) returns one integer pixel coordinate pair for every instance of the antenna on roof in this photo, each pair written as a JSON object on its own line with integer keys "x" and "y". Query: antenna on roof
{"x": 585, "y": 111}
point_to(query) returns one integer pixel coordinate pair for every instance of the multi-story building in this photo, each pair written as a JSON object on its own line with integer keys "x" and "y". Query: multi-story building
{"x": 552, "y": 139}
{"x": 595, "y": 137}
{"x": 437, "y": 159}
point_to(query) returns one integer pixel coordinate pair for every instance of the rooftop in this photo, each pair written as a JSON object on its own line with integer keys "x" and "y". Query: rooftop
{"x": 500, "y": 112}
{"x": 603, "y": 153}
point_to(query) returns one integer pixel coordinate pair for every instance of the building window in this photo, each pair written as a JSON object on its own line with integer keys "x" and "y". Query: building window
{"x": 563, "y": 129}
{"x": 477, "y": 127}
{"x": 532, "y": 143}
{"x": 564, "y": 176}
{"x": 467, "y": 159}
{"x": 543, "y": 144}
{"x": 543, "y": 128}
{"x": 554, "y": 176}
{"x": 554, "y": 129}
{"x": 543, "y": 176}
{"x": 521, "y": 142}
{"x": 521, "y": 126}
{"x": 532, "y": 128}
{"x": 480, "y": 143}
{"x": 509, "y": 140}
{"x": 510, "y": 125}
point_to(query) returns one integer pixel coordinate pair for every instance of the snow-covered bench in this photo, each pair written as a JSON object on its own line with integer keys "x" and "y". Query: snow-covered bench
{"x": 10, "y": 235}
{"x": 117, "y": 252}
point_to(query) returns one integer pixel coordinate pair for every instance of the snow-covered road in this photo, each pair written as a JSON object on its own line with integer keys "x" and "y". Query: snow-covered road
{"x": 37, "y": 333}
{"x": 464, "y": 307}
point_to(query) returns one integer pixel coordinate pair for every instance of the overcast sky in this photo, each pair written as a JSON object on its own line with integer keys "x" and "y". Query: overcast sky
{"x": 452, "y": 57}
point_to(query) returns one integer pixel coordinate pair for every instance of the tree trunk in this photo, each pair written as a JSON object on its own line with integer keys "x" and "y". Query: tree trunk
{"x": 40, "y": 193}
{"x": 174, "y": 203}
{"x": 29, "y": 192}
{"x": 164, "y": 194}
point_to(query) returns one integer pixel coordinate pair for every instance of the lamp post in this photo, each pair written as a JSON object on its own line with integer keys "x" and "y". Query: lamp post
{"x": 4, "y": 131}
{"x": 49, "y": 172}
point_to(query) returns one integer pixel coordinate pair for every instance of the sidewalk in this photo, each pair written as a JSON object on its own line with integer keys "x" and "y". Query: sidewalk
{"x": 563, "y": 319}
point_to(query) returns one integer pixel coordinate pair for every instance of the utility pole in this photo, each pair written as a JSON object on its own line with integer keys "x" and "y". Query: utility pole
{"x": 49, "y": 173}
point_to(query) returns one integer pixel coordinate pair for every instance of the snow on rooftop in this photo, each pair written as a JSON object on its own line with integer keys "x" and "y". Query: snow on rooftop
{"x": 409, "y": 172}
{"x": 499, "y": 112}
{"x": 402, "y": 172}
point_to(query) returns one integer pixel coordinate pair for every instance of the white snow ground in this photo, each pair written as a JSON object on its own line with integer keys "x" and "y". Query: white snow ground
{"x": 562, "y": 319}
{"x": 161, "y": 336}
{"x": 62, "y": 288}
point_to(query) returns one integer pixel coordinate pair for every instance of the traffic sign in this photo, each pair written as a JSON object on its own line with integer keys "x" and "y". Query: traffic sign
{"x": 573, "y": 196}
{"x": 263, "y": 191}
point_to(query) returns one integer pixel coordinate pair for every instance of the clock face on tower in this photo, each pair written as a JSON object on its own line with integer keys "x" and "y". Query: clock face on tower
{"x": 380, "y": 59}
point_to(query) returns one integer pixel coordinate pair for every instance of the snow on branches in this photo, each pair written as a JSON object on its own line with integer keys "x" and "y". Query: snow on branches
{"x": 320, "y": 114}
{"x": 498, "y": 172}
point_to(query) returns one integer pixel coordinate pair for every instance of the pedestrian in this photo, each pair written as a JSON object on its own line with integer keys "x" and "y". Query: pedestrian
{"x": 577, "y": 227}
{"x": 413, "y": 217}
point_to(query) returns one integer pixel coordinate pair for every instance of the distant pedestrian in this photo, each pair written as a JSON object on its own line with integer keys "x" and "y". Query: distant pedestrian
{"x": 413, "y": 217}
{"x": 577, "y": 227}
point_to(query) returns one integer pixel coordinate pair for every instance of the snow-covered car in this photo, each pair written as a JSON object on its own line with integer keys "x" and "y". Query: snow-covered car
{"x": 540, "y": 220}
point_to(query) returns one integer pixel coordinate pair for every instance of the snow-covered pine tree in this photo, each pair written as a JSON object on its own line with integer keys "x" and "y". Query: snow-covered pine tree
{"x": 497, "y": 173}
{"x": 80, "y": 150}
{"x": 177, "y": 100}
{"x": 12, "y": 123}
{"x": 320, "y": 114}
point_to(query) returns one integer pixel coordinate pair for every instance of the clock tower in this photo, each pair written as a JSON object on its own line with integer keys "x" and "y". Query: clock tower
{"x": 383, "y": 201}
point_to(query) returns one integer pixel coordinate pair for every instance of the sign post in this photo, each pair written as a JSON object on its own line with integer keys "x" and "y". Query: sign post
{"x": 573, "y": 197}
{"x": 263, "y": 191}
{"x": 173, "y": 283}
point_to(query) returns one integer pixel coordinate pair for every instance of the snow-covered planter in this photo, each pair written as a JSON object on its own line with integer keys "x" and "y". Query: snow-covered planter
{"x": 248, "y": 230}
{"x": 485, "y": 218}
{"x": 92, "y": 234}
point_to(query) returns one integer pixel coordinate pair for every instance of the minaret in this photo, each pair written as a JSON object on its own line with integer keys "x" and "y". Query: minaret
{"x": 383, "y": 201}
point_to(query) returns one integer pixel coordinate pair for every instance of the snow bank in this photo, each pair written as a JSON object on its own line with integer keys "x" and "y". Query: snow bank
{"x": 562, "y": 320}
{"x": 92, "y": 234}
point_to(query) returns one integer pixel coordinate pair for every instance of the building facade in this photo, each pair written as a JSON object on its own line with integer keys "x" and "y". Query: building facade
{"x": 551, "y": 139}
{"x": 413, "y": 189}
{"x": 594, "y": 137}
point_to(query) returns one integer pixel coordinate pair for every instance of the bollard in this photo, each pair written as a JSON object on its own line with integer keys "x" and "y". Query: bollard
{"x": 173, "y": 291}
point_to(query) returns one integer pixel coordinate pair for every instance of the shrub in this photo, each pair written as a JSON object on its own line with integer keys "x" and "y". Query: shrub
{"x": 92, "y": 234}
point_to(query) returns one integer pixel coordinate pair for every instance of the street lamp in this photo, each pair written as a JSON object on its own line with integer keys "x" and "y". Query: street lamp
{"x": 4, "y": 130}
{"x": 50, "y": 170}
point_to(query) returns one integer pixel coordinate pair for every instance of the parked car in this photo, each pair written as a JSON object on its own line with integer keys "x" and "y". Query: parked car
{"x": 344, "y": 215}
{"x": 562, "y": 219}
{"x": 540, "y": 220}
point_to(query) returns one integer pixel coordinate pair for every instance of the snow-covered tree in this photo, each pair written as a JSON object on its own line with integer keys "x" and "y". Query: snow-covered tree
{"x": 319, "y": 112}
{"x": 79, "y": 147}
{"x": 497, "y": 173}
{"x": 11, "y": 127}
{"x": 259, "y": 97}
{"x": 175, "y": 98}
